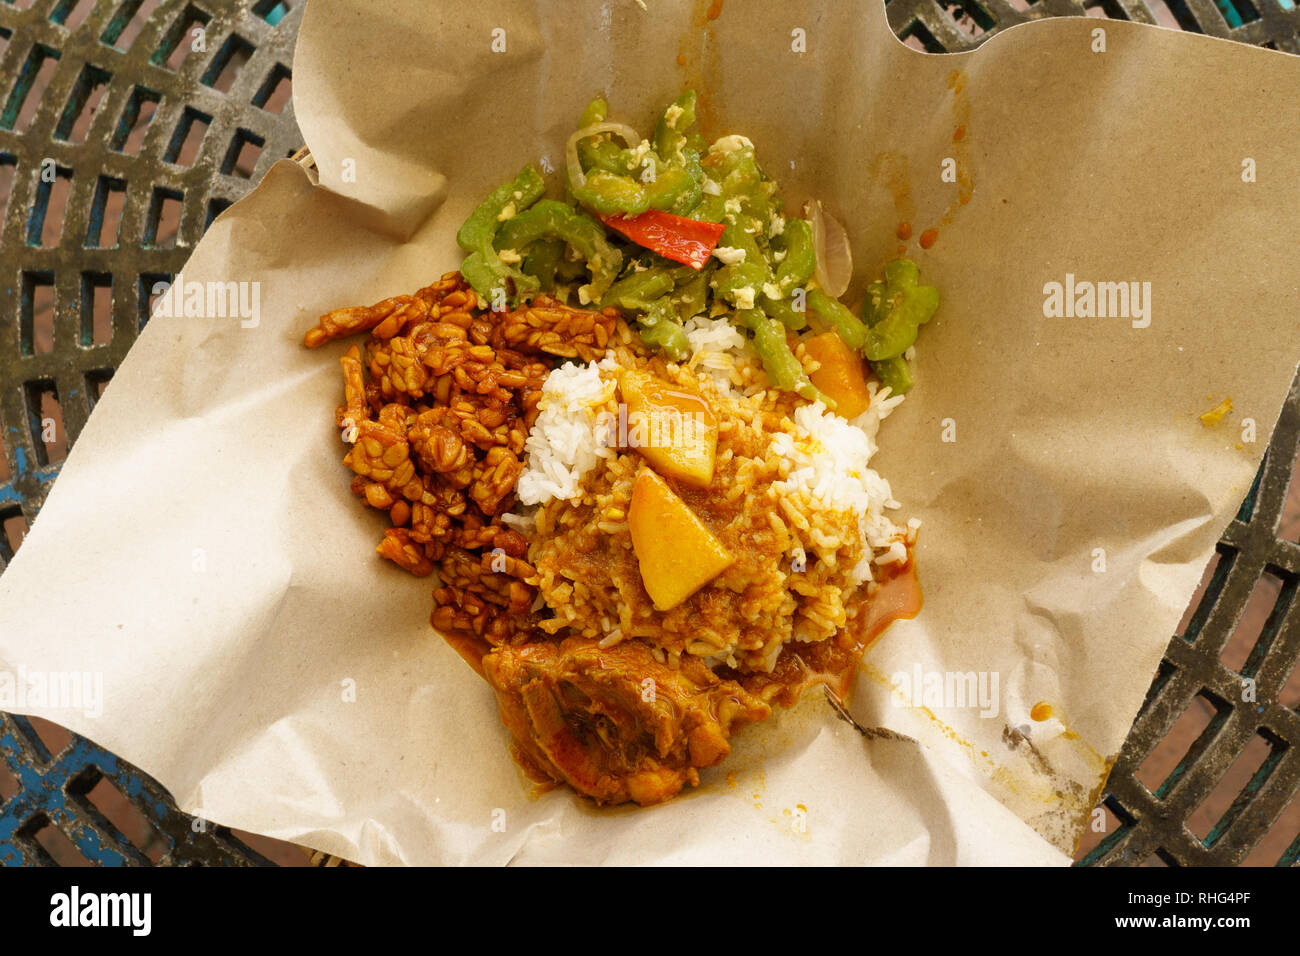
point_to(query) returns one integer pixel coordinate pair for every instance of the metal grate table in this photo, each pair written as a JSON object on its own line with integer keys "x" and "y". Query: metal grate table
{"x": 127, "y": 126}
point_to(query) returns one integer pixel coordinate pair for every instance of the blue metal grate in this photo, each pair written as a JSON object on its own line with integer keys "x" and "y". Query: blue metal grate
{"x": 110, "y": 91}
{"x": 54, "y": 793}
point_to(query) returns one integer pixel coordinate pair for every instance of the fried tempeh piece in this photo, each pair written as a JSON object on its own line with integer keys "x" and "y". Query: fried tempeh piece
{"x": 437, "y": 406}
{"x": 385, "y": 318}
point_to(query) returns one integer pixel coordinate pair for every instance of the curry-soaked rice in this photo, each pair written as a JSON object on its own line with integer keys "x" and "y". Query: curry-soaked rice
{"x": 794, "y": 559}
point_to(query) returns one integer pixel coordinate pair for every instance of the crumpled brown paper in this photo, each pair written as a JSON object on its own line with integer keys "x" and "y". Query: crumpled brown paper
{"x": 202, "y": 552}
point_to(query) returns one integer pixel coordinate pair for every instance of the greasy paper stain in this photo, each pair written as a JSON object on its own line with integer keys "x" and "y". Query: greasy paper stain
{"x": 892, "y": 171}
{"x": 961, "y": 156}
{"x": 943, "y": 728}
{"x": 795, "y": 822}
{"x": 1039, "y": 781}
{"x": 697, "y": 60}
{"x": 961, "y": 143}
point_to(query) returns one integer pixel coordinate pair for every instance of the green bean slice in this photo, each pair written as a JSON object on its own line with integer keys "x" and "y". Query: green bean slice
{"x": 659, "y": 328}
{"x": 781, "y": 365}
{"x": 552, "y": 219}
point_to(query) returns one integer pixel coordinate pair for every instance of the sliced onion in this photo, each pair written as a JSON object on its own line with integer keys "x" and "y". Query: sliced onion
{"x": 577, "y": 178}
{"x": 831, "y": 243}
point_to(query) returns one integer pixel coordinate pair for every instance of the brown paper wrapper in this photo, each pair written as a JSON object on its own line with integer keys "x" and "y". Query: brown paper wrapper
{"x": 202, "y": 552}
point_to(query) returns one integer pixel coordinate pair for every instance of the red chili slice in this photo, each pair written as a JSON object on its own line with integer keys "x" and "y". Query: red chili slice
{"x": 688, "y": 241}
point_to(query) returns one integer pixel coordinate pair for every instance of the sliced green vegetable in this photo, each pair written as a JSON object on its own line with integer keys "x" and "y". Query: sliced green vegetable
{"x": 740, "y": 283}
{"x": 740, "y": 234}
{"x": 895, "y": 373}
{"x": 569, "y": 269}
{"x": 677, "y": 187}
{"x": 612, "y": 194}
{"x": 663, "y": 174}
{"x": 744, "y": 188}
{"x": 692, "y": 295}
{"x": 710, "y": 209}
{"x": 479, "y": 229}
{"x": 783, "y": 312}
{"x": 837, "y": 315}
{"x": 677, "y": 118}
{"x": 541, "y": 261}
{"x": 736, "y": 168}
{"x": 800, "y": 260}
{"x": 779, "y": 362}
{"x": 659, "y": 328}
{"x": 485, "y": 276}
{"x": 596, "y": 112}
{"x": 637, "y": 290}
{"x": 652, "y": 192}
{"x": 483, "y": 269}
{"x": 600, "y": 152}
{"x": 552, "y": 219}
{"x": 895, "y": 309}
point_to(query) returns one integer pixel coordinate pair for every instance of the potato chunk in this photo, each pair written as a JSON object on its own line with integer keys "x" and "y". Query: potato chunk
{"x": 672, "y": 427}
{"x": 677, "y": 554}
{"x": 841, "y": 377}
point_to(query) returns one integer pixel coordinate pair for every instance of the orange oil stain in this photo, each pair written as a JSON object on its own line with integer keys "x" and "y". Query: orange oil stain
{"x": 892, "y": 169}
{"x": 714, "y": 11}
{"x": 961, "y": 123}
{"x": 1040, "y": 789}
{"x": 943, "y": 728}
{"x": 1217, "y": 413}
{"x": 1082, "y": 749}
{"x": 1084, "y": 810}
{"x": 956, "y": 83}
{"x": 1042, "y": 711}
